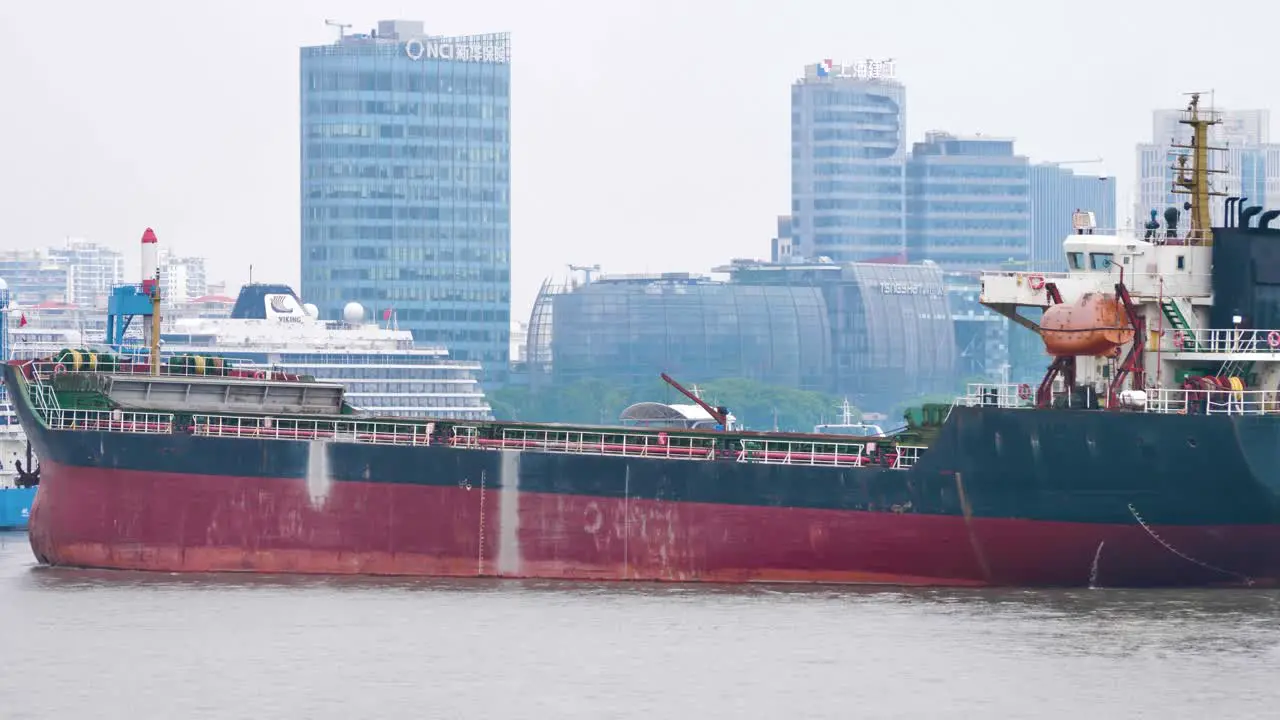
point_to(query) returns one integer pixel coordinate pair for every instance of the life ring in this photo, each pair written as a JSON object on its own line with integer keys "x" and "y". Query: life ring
{"x": 259, "y": 375}
{"x": 1273, "y": 339}
{"x": 1024, "y": 391}
{"x": 1036, "y": 282}
{"x": 59, "y": 369}
{"x": 1178, "y": 340}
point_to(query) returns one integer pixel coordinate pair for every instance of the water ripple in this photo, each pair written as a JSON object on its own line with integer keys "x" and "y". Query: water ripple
{"x": 113, "y": 644}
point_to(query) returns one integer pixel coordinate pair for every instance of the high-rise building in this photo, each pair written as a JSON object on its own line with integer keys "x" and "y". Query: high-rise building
{"x": 184, "y": 278}
{"x": 781, "y": 247}
{"x": 848, "y": 125}
{"x": 406, "y": 184}
{"x": 80, "y": 272}
{"x": 968, "y": 202}
{"x": 1250, "y": 165}
{"x": 1056, "y": 193}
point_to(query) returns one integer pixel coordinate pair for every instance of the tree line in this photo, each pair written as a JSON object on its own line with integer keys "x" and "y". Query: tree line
{"x": 756, "y": 405}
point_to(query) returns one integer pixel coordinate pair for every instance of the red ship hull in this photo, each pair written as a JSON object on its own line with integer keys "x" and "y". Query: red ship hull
{"x": 149, "y": 520}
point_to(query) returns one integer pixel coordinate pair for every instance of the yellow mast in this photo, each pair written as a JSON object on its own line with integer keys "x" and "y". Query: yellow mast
{"x": 1196, "y": 183}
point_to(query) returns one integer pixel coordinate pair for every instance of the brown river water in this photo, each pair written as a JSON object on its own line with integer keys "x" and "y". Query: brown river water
{"x": 99, "y": 644}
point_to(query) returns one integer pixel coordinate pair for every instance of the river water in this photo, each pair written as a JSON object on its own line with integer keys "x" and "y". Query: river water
{"x": 80, "y": 644}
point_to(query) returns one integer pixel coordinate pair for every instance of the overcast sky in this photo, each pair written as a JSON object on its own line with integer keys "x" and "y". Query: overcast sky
{"x": 645, "y": 136}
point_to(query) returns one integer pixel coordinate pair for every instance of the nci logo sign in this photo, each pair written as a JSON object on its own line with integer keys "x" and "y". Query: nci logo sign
{"x": 462, "y": 51}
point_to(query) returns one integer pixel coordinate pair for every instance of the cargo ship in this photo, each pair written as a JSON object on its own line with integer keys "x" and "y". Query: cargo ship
{"x": 1149, "y": 454}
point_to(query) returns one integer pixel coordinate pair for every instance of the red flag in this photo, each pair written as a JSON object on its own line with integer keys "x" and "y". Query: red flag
{"x": 22, "y": 320}
{"x": 386, "y": 314}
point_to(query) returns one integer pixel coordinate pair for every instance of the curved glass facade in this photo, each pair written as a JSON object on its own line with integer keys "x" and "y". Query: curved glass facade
{"x": 629, "y": 330}
{"x": 892, "y": 335}
{"x": 895, "y": 335}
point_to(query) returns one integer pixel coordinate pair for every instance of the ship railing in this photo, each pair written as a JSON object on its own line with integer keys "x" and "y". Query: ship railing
{"x": 907, "y": 456}
{"x": 375, "y": 432}
{"x": 1156, "y": 236}
{"x": 1224, "y": 342}
{"x": 589, "y": 442}
{"x": 838, "y": 454}
{"x": 1212, "y": 402}
{"x": 43, "y": 397}
{"x": 125, "y": 421}
{"x": 804, "y": 452}
{"x": 1004, "y": 395}
{"x": 44, "y": 370}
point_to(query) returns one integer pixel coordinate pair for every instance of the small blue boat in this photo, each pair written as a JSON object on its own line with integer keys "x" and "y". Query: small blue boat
{"x": 15, "y": 507}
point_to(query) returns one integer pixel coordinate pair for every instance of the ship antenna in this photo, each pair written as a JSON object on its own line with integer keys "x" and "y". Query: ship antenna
{"x": 1194, "y": 180}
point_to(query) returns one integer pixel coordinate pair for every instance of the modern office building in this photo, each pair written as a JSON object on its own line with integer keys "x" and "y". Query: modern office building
{"x": 848, "y": 147}
{"x": 406, "y": 184}
{"x": 968, "y": 203}
{"x": 782, "y": 246}
{"x": 1056, "y": 193}
{"x": 975, "y": 204}
{"x": 628, "y": 329}
{"x": 1250, "y": 165}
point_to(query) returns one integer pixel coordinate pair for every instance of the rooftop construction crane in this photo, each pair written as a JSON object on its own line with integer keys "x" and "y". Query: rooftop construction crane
{"x": 342, "y": 27}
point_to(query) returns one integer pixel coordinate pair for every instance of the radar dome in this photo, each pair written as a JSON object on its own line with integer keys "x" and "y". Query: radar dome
{"x": 311, "y": 310}
{"x": 353, "y": 312}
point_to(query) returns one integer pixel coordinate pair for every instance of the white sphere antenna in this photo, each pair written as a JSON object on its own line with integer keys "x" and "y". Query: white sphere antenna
{"x": 311, "y": 310}
{"x": 353, "y": 312}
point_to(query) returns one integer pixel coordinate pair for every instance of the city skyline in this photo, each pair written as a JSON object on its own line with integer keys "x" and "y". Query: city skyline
{"x": 233, "y": 194}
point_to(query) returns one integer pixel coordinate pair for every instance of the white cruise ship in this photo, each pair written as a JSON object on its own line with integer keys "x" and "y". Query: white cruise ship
{"x": 269, "y": 327}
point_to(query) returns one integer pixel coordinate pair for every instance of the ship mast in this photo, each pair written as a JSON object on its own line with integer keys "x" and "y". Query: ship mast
{"x": 1194, "y": 181}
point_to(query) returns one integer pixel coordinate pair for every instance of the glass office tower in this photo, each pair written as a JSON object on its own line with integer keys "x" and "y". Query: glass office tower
{"x": 406, "y": 185}
{"x": 848, "y": 125}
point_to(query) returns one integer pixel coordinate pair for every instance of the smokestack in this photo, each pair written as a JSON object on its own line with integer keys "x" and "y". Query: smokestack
{"x": 150, "y": 260}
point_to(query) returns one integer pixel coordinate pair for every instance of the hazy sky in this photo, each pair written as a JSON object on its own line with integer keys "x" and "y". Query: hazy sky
{"x": 646, "y": 136}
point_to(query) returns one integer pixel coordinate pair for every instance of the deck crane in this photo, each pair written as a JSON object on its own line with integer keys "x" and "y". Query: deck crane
{"x": 719, "y": 414}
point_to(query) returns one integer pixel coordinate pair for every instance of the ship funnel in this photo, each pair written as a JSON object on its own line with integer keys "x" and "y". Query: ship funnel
{"x": 1229, "y": 214}
{"x": 1265, "y": 219}
{"x": 1247, "y": 214}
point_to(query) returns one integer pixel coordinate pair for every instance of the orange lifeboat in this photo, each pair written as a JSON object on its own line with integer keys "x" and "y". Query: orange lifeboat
{"x": 1095, "y": 325}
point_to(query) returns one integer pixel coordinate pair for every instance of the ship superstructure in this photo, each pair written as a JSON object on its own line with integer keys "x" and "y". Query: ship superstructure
{"x": 1171, "y": 317}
